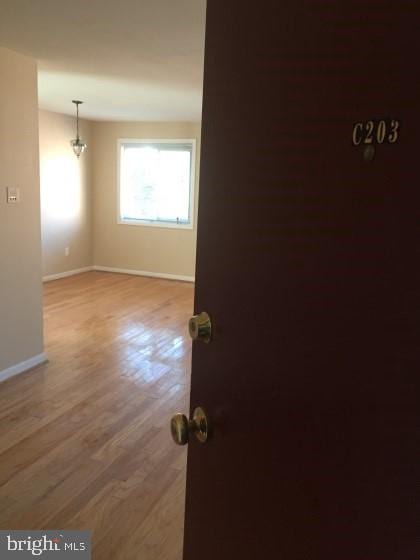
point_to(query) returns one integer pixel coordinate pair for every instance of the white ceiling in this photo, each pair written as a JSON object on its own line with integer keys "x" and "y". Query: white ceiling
{"x": 126, "y": 59}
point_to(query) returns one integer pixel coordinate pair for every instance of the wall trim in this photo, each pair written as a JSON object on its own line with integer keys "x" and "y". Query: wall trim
{"x": 67, "y": 273}
{"x": 23, "y": 366}
{"x": 163, "y": 275}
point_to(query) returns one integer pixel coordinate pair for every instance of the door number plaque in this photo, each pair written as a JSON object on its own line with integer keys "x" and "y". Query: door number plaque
{"x": 372, "y": 133}
{"x": 376, "y": 132}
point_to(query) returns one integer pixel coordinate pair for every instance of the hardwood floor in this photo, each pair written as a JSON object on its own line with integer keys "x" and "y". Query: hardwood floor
{"x": 84, "y": 441}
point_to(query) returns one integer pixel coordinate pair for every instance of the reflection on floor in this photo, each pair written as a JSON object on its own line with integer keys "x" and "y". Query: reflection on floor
{"x": 84, "y": 440}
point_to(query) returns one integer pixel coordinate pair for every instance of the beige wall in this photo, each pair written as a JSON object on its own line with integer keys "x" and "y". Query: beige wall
{"x": 142, "y": 248}
{"x": 20, "y": 239}
{"x": 65, "y": 194}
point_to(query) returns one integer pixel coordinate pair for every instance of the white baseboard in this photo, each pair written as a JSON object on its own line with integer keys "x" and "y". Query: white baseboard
{"x": 145, "y": 273}
{"x": 67, "y": 273}
{"x": 23, "y": 366}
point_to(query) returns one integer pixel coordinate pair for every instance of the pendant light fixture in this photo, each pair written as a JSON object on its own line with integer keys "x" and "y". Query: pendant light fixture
{"x": 77, "y": 144}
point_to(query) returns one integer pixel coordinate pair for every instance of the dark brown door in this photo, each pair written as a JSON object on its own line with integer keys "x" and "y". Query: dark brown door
{"x": 309, "y": 265}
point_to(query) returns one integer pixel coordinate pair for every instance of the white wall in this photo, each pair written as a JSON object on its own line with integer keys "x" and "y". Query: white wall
{"x": 20, "y": 240}
{"x": 65, "y": 194}
{"x": 144, "y": 248}
{"x": 79, "y": 202}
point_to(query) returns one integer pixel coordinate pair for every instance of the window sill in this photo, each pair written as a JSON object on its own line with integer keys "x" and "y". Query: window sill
{"x": 164, "y": 225}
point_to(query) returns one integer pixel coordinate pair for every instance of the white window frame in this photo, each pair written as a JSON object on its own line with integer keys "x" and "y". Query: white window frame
{"x": 155, "y": 223}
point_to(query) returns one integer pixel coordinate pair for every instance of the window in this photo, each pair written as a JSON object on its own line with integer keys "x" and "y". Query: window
{"x": 156, "y": 182}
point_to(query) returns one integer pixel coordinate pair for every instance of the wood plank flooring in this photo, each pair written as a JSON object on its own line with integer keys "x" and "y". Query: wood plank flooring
{"x": 84, "y": 439}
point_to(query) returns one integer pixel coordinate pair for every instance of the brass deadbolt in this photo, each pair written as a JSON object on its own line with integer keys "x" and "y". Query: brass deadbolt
{"x": 200, "y": 327}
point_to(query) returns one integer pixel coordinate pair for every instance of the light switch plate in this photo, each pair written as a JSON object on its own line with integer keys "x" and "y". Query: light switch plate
{"x": 13, "y": 195}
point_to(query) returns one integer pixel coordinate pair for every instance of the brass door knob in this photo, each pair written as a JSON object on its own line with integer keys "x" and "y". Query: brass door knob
{"x": 182, "y": 428}
{"x": 200, "y": 327}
